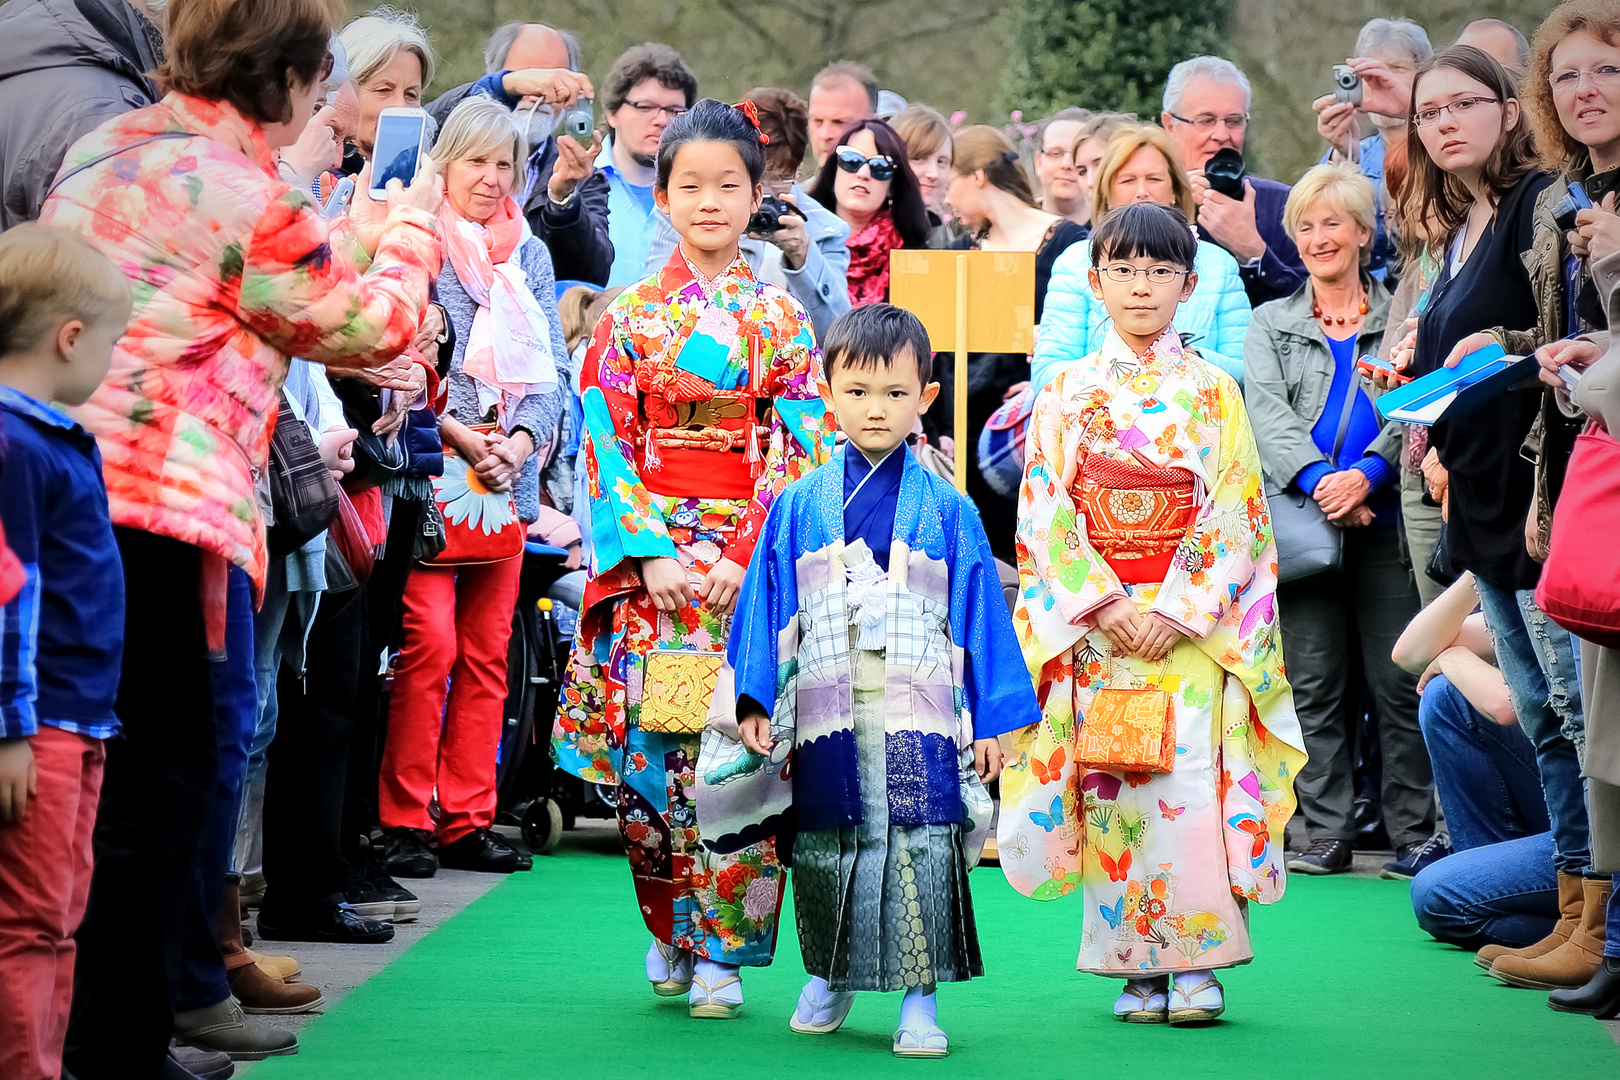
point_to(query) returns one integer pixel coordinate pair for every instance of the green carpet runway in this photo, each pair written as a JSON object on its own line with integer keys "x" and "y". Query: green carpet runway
{"x": 542, "y": 978}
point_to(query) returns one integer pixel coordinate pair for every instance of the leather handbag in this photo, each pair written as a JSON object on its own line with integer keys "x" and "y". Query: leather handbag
{"x": 303, "y": 495}
{"x": 1129, "y": 730}
{"x": 480, "y": 526}
{"x": 1307, "y": 542}
{"x": 1580, "y": 582}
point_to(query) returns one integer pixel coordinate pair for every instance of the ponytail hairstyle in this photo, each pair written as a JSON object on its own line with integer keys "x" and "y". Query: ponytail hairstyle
{"x": 713, "y": 121}
{"x": 906, "y": 204}
{"x": 982, "y": 148}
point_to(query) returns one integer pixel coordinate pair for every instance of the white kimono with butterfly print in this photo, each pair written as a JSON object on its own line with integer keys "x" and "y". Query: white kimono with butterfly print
{"x": 1166, "y": 862}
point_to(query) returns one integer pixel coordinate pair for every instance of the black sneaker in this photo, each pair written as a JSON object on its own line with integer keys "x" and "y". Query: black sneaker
{"x": 1413, "y": 857}
{"x": 1370, "y": 833}
{"x": 365, "y": 901}
{"x": 481, "y": 850}
{"x": 406, "y": 854}
{"x": 1325, "y": 856}
{"x": 406, "y": 906}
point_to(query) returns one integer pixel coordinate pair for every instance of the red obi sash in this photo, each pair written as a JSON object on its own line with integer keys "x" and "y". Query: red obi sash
{"x": 1135, "y": 514}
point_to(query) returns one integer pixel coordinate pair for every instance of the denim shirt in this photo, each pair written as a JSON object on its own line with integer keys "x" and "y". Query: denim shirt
{"x": 630, "y": 221}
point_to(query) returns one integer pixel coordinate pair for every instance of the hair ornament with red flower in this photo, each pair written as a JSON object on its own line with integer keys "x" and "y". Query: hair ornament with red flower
{"x": 748, "y": 109}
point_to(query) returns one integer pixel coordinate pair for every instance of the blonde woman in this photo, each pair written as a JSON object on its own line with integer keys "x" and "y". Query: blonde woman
{"x": 1141, "y": 165}
{"x": 498, "y": 287}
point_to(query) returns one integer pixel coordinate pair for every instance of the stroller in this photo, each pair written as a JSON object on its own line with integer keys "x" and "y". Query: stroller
{"x": 532, "y": 793}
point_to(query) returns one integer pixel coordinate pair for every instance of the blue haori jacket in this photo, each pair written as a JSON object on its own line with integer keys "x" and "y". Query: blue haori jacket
{"x": 955, "y": 672}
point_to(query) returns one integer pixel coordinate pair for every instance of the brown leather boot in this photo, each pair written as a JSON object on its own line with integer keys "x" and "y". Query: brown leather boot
{"x": 1569, "y": 917}
{"x": 1574, "y": 962}
{"x": 259, "y": 993}
{"x": 228, "y": 936}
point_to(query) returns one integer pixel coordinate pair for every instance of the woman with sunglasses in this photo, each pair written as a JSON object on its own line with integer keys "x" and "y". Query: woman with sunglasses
{"x": 1474, "y": 186}
{"x": 869, "y": 183}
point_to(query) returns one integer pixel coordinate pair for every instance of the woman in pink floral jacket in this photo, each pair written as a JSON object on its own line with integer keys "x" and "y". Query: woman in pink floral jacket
{"x": 234, "y": 272}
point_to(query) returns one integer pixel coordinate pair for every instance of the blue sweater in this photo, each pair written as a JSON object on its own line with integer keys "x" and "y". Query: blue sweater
{"x": 1075, "y": 322}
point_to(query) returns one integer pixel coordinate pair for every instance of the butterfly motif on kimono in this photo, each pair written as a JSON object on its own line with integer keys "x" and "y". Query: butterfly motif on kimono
{"x": 1114, "y": 915}
{"x": 1117, "y": 870}
{"x": 1248, "y": 823}
{"x": 1050, "y": 770}
{"x": 1053, "y": 818}
{"x": 1171, "y": 812}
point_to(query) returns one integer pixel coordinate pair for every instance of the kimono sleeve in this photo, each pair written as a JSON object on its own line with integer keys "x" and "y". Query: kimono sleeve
{"x": 1217, "y": 560}
{"x": 996, "y": 687}
{"x": 764, "y": 626}
{"x": 624, "y": 521}
{"x": 1062, "y": 579}
{"x": 801, "y": 429}
{"x": 300, "y": 292}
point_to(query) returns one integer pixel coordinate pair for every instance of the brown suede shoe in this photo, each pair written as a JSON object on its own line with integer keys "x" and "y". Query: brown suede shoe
{"x": 1569, "y": 917}
{"x": 280, "y": 968}
{"x": 1571, "y": 964}
{"x": 259, "y": 993}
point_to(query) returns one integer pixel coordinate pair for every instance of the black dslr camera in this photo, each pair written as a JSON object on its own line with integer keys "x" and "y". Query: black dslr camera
{"x": 1224, "y": 171}
{"x": 768, "y": 218}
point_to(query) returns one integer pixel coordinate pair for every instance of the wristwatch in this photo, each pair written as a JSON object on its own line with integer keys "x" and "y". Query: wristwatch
{"x": 444, "y": 330}
{"x": 566, "y": 203}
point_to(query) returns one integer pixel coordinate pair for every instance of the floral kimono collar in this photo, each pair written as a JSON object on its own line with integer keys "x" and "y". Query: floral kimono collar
{"x": 717, "y": 325}
{"x": 1117, "y": 363}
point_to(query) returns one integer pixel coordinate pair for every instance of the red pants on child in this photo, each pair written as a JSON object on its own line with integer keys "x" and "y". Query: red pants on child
{"x": 457, "y": 625}
{"x": 45, "y": 862}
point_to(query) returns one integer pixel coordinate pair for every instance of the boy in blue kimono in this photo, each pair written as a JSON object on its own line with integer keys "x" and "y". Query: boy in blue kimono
{"x": 873, "y": 640}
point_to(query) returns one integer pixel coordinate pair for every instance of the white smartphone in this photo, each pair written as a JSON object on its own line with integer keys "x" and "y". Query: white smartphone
{"x": 397, "y": 149}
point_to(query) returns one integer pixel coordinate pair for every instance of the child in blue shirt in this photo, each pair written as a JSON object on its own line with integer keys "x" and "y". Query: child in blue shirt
{"x": 63, "y": 305}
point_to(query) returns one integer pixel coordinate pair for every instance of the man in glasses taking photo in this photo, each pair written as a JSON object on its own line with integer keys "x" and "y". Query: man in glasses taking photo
{"x": 1206, "y": 111}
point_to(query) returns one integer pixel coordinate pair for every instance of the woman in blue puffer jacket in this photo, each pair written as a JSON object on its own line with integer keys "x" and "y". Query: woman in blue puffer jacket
{"x": 1141, "y": 165}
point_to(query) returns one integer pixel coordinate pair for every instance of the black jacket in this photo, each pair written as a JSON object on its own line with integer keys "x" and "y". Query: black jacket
{"x": 66, "y": 66}
{"x": 576, "y": 235}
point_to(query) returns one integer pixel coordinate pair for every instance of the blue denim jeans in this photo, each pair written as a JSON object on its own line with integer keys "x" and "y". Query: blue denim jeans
{"x": 1485, "y": 773}
{"x": 247, "y": 855}
{"x": 202, "y": 969}
{"x": 1538, "y": 662}
{"x": 1499, "y": 894}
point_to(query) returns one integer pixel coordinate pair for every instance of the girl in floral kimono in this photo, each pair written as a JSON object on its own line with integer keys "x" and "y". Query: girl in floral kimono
{"x": 700, "y": 400}
{"x": 1160, "y": 777}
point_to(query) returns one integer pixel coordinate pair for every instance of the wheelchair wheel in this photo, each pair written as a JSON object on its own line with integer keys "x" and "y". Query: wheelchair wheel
{"x": 542, "y": 826}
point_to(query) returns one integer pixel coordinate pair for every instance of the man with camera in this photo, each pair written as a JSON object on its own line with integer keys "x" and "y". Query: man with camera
{"x": 1206, "y": 112}
{"x": 534, "y": 70}
{"x": 793, "y": 241}
{"x": 1387, "y": 49}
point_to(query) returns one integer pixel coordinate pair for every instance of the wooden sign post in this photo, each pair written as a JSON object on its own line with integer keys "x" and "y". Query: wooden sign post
{"x": 968, "y": 301}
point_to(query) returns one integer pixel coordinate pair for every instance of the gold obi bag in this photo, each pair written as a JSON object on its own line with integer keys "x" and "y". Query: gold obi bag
{"x": 1129, "y": 730}
{"x": 677, "y": 689}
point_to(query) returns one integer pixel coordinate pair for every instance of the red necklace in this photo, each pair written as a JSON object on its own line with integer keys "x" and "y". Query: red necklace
{"x": 1339, "y": 320}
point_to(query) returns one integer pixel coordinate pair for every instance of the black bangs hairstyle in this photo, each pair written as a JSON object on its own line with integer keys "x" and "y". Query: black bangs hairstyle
{"x": 711, "y": 121}
{"x": 872, "y": 336}
{"x": 1145, "y": 229}
{"x": 906, "y": 204}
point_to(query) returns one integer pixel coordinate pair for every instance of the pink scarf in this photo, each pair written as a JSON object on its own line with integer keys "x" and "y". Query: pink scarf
{"x": 508, "y": 350}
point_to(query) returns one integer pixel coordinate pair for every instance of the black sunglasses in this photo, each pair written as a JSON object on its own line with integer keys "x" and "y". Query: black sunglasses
{"x": 851, "y": 160}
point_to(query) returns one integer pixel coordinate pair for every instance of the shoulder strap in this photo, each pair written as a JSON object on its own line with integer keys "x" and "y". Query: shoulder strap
{"x": 1344, "y": 414}
{"x": 77, "y": 169}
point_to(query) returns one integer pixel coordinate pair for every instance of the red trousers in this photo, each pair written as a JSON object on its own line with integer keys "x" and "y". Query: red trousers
{"x": 45, "y": 862}
{"x": 457, "y": 625}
